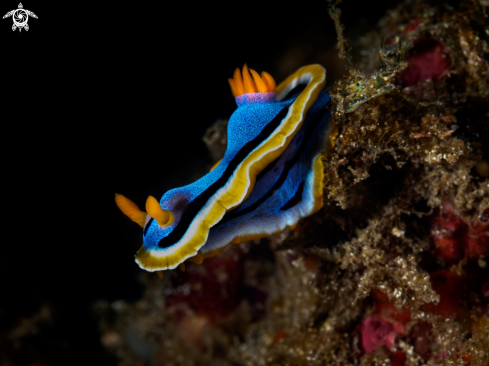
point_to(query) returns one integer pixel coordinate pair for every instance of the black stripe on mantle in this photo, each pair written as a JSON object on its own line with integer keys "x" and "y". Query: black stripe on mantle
{"x": 283, "y": 176}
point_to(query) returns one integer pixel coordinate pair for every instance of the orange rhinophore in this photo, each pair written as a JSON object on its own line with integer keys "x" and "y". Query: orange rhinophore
{"x": 163, "y": 217}
{"x": 130, "y": 209}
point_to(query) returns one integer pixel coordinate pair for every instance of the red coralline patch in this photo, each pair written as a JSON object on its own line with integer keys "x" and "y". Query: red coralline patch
{"x": 467, "y": 358}
{"x": 477, "y": 241}
{"x": 450, "y": 287}
{"x": 448, "y": 231}
{"x": 215, "y": 288}
{"x": 454, "y": 238}
{"x": 377, "y": 331}
{"x": 428, "y": 61}
{"x": 398, "y": 358}
{"x": 385, "y": 323}
{"x": 384, "y": 307}
{"x": 411, "y": 26}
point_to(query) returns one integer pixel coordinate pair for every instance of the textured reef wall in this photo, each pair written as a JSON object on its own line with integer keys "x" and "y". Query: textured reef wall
{"x": 394, "y": 269}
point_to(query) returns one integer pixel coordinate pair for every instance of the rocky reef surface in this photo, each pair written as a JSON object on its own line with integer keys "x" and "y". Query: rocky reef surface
{"x": 394, "y": 269}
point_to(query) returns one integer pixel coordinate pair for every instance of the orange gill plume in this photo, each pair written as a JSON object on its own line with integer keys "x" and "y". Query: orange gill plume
{"x": 244, "y": 83}
{"x": 162, "y": 217}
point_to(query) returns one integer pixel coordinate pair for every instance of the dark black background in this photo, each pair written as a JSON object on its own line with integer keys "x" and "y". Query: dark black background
{"x": 103, "y": 98}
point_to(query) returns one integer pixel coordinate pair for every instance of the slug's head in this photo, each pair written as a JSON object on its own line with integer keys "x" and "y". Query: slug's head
{"x": 158, "y": 222}
{"x": 155, "y": 214}
{"x": 252, "y": 88}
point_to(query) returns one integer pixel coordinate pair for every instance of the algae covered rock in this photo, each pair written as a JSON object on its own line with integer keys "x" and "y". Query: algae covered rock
{"x": 393, "y": 270}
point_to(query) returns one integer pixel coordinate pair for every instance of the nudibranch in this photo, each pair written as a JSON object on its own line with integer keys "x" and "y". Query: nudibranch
{"x": 266, "y": 122}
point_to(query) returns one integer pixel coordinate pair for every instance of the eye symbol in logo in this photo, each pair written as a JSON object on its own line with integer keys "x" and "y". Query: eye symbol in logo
{"x": 20, "y": 17}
